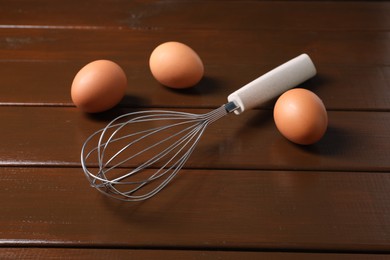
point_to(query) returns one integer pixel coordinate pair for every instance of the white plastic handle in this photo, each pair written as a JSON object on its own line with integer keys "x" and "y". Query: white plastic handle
{"x": 273, "y": 83}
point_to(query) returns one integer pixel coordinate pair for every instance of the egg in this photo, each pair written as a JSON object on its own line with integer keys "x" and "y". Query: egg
{"x": 176, "y": 65}
{"x": 301, "y": 116}
{"x": 98, "y": 86}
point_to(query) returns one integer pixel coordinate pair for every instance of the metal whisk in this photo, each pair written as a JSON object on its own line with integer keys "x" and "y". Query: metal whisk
{"x": 138, "y": 154}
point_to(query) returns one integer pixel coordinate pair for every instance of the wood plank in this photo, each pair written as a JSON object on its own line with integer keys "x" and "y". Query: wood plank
{"x": 246, "y": 192}
{"x": 354, "y": 141}
{"x": 48, "y": 83}
{"x": 226, "y": 210}
{"x": 237, "y": 15}
{"x": 365, "y": 48}
{"x": 61, "y": 253}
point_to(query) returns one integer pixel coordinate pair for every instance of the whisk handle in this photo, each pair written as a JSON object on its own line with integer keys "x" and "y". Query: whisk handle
{"x": 273, "y": 83}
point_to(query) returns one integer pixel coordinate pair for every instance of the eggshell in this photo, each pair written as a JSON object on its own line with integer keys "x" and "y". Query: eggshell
{"x": 176, "y": 65}
{"x": 301, "y": 116}
{"x": 98, "y": 86}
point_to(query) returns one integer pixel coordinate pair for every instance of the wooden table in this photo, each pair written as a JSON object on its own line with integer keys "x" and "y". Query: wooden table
{"x": 246, "y": 193}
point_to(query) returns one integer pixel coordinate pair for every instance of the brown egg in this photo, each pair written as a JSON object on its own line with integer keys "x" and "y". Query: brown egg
{"x": 300, "y": 116}
{"x": 98, "y": 86}
{"x": 176, "y": 65}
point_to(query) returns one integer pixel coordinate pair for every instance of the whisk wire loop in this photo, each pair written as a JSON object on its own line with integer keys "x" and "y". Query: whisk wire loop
{"x": 149, "y": 132}
{"x": 119, "y": 147}
{"x": 158, "y": 156}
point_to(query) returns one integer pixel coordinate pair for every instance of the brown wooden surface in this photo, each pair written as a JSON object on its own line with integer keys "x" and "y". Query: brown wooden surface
{"x": 246, "y": 192}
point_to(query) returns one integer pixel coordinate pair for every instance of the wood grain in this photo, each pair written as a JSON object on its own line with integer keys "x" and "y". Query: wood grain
{"x": 230, "y": 209}
{"x": 248, "y": 47}
{"x": 47, "y": 83}
{"x": 250, "y": 15}
{"x": 246, "y": 192}
{"x": 54, "y": 136}
{"x": 60, "y": 253}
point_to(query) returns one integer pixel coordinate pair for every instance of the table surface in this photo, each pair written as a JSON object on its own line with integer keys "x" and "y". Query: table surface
{"x": 246, "y": 192}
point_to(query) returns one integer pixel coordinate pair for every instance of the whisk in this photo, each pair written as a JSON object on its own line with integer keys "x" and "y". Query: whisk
{"x": 137, "y": 154}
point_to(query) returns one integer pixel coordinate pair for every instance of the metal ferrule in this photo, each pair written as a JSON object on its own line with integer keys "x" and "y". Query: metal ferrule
{"x": 231, "y": 106}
